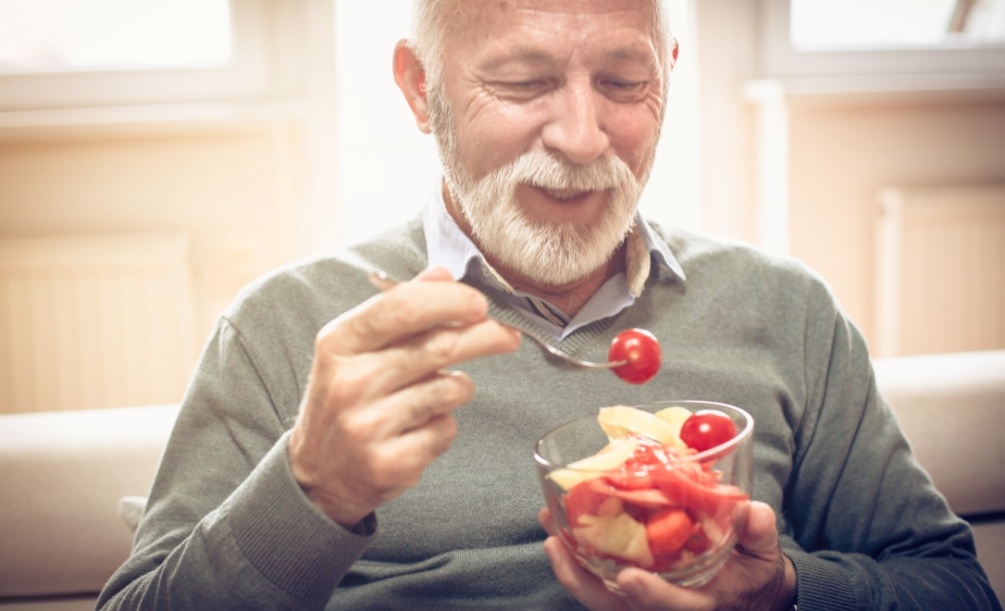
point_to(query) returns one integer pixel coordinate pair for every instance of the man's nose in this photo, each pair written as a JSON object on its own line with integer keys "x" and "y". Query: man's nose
{"x": 575, "y": 129}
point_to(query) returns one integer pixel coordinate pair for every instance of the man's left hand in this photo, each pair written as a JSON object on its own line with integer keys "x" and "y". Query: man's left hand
{"x": 756, "y": 576}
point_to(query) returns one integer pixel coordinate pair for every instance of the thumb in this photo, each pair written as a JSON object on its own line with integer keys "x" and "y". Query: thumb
{"x": 434, "y": 274}
{"x": 760, "y": 535}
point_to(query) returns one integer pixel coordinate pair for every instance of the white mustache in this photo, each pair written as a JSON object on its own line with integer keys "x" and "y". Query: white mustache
{"x": 541, "y": 169}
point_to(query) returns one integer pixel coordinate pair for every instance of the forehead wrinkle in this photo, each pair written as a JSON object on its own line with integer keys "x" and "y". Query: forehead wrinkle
{"x": 469, "y": 23}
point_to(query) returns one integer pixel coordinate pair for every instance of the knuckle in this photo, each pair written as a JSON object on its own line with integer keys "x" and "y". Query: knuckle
{"x": 356, "y": 430}
{"x": 444, "y": 429}
{"x": 324, "y": 339}
{"x": 455, "y": 389}
{"x": 376, "y": 463}
{"x": 442, "y": 346}
{"x": 448, "y": 427}
{"x": 406, "y": 315}
{"x": 390, "y": 472}
{"x": 361, "y": 325}
{"x": 390, "y": 311}
{"x": 330, "y": 389}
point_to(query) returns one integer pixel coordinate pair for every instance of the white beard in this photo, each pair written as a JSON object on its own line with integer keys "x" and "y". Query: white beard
{"x": 552, "y": 253}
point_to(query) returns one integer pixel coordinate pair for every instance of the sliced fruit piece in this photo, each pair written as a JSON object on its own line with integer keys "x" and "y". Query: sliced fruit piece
{"x": 620, "y": 536}
{"x": 621, "y": 421}
{"x": 668, "y": 529}
{"x": 583, "y": 499}
{"x": 643, "y": 497}
{"x": 681, "y": 487}
{"x": 635, "y": 473}
{"x": 612, "y": 456}
{"x": 675, "y": 416}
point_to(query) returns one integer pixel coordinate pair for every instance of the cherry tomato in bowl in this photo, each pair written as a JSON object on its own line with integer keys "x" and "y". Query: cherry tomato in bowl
{"x": 642, "y": 353}
{"x": 706, "y": 429}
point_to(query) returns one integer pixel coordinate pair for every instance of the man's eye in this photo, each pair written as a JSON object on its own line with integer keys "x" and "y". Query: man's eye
{"x": 524, "y": 89}
{"x": 624, "y": 90}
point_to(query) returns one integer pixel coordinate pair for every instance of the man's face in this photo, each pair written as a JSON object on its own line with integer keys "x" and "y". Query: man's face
{"x": 547, "y": 120}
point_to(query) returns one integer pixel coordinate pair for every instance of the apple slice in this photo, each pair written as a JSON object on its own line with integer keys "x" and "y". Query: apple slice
{"x": 621, "y": 421}
{"x": 612, "y": 456}
{"x": 674, "y": 416}
{"x": 620, "y": 536}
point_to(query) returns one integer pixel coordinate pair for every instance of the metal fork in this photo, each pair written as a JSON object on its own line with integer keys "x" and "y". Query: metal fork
{"x": 382, "y": 281}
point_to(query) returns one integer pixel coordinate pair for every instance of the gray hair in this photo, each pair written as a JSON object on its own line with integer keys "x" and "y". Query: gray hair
{"x": 430, "y": 24}
{"x": 430, "y": 17}
{"x": 427, "y": 38}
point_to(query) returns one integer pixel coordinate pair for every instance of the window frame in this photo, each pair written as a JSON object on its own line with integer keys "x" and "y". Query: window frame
{"x": 780, "y": 59}
{"x": 248, "y": 75}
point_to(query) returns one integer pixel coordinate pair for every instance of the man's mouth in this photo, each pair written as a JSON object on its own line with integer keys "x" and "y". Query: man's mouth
{"x": 564, "y": 194}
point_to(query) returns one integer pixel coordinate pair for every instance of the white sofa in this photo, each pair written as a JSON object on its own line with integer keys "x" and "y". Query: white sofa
{"x": 63, "y": 475}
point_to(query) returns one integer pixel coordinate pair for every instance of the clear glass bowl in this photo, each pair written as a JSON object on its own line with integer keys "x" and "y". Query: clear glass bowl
{"x": 676, "y": 516}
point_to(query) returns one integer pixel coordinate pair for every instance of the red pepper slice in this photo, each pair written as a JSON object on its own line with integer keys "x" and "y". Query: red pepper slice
{"x": 683, "y": 489}
{"x": 643, "y": 497}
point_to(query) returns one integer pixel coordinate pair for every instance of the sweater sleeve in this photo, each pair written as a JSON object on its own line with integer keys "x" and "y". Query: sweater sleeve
{"x": 227, "y": 526}
{"x": 868, "y": 528}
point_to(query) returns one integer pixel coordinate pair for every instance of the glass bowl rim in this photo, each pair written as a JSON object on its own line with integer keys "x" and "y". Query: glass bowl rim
{"x": 719, "y": 450}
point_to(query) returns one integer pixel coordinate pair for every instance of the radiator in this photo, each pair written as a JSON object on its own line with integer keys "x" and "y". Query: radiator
{"x": 94, "y": 322}
{"x": 940, "y": 270}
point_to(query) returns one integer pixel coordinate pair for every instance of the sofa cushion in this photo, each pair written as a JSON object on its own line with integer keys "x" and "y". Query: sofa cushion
{"x": 952, "y": 409}
{"x": 63, "y": 476}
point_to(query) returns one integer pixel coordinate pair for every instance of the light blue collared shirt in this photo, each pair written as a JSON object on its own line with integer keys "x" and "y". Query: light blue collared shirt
{"x": 447, "y": 246}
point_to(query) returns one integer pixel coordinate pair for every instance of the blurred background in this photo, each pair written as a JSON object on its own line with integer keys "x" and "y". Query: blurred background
{"x": 156, "y": 157}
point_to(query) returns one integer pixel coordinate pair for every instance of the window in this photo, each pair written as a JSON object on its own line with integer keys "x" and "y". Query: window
{"x": 883, "y": 37}
{"x": 68, "y": 35}
{"x": 879, "y": 24}
{"x": 81, "y": 53}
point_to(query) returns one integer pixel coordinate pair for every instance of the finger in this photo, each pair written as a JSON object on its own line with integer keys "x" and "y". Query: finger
{"x": 434, "y": 274}
{"x": 584, "y": 586}
{"x": 402, "y": 311}
{"x": 759, "y": 537}
{"x": 398, "y": 366}
{"x": 547, "y": 522}
{"x": 414, "y": 406}
{"x": 645, "y": 590}
{"x": 387, "y": 469}
{"x": 415, "y": 450}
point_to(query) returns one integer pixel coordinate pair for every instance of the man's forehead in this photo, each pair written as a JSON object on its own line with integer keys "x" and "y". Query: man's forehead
{"x": 465, "y": 14}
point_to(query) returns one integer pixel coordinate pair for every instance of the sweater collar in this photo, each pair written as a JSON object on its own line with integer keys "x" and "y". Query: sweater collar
{"x": 449, "y": 247}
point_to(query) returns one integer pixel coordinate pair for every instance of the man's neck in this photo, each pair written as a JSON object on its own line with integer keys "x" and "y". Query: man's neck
{"x": 569, "y": 297}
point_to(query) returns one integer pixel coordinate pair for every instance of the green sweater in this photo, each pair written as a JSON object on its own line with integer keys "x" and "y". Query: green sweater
{"x": 228, "y": 527}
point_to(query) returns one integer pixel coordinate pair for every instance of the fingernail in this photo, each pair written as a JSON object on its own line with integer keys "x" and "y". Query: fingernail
{"x": 547, "y": 549}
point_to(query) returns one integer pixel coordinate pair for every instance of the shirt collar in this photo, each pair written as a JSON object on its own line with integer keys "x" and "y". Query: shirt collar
{"x": 449, "y": 247}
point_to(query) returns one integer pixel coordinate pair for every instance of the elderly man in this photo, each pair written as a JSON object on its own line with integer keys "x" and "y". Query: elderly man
{"x": 333, "y": 452}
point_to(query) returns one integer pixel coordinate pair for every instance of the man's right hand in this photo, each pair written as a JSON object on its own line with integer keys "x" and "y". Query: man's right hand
{"x": 379, "y": 402}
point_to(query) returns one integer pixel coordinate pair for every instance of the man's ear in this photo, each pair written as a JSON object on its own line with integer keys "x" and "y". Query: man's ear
{"x": 411, "y": 79}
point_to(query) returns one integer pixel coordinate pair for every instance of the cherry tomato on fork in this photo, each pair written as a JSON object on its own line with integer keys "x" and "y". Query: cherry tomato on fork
{"x": 642, "y": 352}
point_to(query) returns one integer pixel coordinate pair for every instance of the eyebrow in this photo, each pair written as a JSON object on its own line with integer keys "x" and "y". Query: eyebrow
{"x": 533, "y": 55}
{"x": 529, "y": 55}
{"x": 634, "y": 54}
